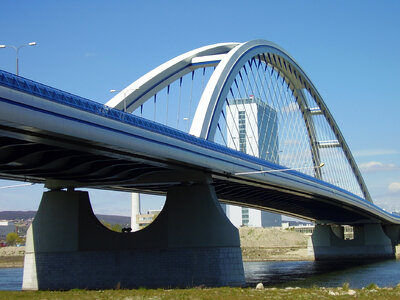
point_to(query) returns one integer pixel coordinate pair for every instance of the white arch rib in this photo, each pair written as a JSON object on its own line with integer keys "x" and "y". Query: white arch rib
{"x": 209, "y": 108}
{"x": 213, "y": 97}
{"x": 149, "y": 84}
{"x": 228, "y": 58}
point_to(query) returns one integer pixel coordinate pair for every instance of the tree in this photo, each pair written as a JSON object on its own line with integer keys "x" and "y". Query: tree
{"x": 12, "y": 238}
{"x": 114, "y": 227}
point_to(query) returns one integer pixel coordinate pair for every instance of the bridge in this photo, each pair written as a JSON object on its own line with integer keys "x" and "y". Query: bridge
{"x": 236, "y": 123}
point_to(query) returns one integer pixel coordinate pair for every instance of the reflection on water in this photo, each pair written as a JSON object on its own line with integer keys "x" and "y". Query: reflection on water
{"x": 288, "y": 273}
{"x": 11, "y": 279}
{"x": 323, "y": 273}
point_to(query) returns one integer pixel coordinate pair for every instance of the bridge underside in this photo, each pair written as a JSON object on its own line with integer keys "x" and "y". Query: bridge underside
{"x": 26, "y": 155}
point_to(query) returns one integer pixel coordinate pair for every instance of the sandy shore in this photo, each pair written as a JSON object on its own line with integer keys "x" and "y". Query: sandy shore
{"x": 263, "y": 244}
{"x": 275, "y": 254}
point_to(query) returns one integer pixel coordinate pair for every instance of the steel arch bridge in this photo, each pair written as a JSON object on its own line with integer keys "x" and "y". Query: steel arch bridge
{"x": 246, "y": 113}
{"x": 236, "y": 122}
{"x": 259, "y": 73}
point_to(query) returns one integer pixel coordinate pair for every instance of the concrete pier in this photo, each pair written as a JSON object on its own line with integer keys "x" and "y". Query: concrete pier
{"x": 370, "y": 241}
{"x": 191, "y": 243}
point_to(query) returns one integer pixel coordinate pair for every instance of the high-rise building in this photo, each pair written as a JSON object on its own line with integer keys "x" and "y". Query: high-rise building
{"x": 253, "y": 129}
{"x": 135, "y": 211}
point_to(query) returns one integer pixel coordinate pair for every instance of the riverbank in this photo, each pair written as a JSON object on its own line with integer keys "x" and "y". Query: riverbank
{"x": 12, "y": 257}
{"x": 370, "y": 292}
{"x": 11, "y": 261}
{"x": 273, "y": 244}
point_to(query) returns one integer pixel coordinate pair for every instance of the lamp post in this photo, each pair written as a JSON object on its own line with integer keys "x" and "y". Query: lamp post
{"x": 16, "y": 52}
{"x": 115, "y": 91}
{"x": 135, "y": 197}
{"x": 15, "y": 185}
{"x": 124, "y": 91}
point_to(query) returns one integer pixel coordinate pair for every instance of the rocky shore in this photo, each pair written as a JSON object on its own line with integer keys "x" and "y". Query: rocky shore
{"x": 12, "y": 257}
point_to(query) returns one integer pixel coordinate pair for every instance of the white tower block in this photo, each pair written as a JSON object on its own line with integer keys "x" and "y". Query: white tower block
{"x": 135, "y": 211}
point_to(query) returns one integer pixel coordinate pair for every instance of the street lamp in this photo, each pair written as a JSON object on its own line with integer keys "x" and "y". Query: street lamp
{"x": 17, "y": 50}
{"x": 115, "y": 91}
{"x": 124, "y": 91}
{"x": 15, "y": 185}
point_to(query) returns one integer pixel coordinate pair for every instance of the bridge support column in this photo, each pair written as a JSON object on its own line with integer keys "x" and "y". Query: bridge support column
{"x": 393, "y": 232}
{"x": 191, "y": 243}
{"x": 369, "y": 241}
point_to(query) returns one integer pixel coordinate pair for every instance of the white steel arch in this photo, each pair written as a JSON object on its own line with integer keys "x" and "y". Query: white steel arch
{"x": 228, "y": 59}
{"x": 210, "y": 105}
{"x": 138, "y": 92}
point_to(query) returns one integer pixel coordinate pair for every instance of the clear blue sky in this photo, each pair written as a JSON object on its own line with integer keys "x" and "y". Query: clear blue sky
{"x": 349, "y": 49}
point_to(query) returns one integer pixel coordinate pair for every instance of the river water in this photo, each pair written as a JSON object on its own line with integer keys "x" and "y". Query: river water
{"x": 288, "y": 274}
{"x": 384, "y": 273}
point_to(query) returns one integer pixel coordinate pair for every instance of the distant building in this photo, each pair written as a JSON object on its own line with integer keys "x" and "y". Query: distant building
{"x": 253, "y": 129}
{"x": 306, "y": 228}
{"x": 242, "y": 216}
{"x": 142, "y": 220}
{"x": 5, "y": 228}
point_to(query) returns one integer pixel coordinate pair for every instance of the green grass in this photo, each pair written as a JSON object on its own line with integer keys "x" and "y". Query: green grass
{"x": 371, "y": 286}
{"x": 212, "y": 293}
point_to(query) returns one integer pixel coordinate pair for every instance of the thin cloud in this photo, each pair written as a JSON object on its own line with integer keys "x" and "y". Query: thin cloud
{"x": 90, "y": 54}
{"x": 375, "y": 152}
{"x": 394, "y": 188}
{"x": 376, "y": 166}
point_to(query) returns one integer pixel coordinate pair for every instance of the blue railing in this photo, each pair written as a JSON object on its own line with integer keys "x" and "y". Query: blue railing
{"x": 56, "y": 95}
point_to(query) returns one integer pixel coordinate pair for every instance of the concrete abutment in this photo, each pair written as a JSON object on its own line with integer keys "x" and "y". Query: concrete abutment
{"x": 191, "y": 243}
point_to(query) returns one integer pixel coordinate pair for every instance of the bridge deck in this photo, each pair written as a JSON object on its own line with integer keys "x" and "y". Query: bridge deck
{"x": 47, "y": 135}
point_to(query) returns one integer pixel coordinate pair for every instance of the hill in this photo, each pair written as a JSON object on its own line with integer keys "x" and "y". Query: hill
{"x": 17, "y": 215}
{"x": 26, "y": 215}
